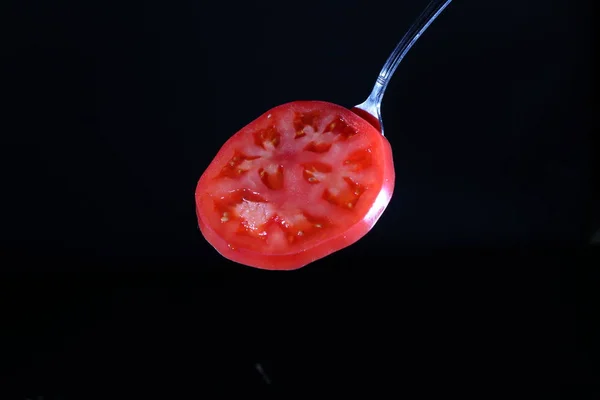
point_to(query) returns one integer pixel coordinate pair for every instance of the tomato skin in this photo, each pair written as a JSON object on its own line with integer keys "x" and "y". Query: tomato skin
{"x": 298, "y": 257}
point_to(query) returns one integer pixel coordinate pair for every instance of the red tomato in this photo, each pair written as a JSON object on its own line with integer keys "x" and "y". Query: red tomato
{"x": 300, "y": 182}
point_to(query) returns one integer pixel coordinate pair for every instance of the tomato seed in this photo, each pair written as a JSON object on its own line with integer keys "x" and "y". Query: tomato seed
{"x": 306, "y": 119}
{"x": 268, "y": 138}
{"x": 272, "y": 180}
{"x": 340, "y": 127}
{"x": 318, "y": 147}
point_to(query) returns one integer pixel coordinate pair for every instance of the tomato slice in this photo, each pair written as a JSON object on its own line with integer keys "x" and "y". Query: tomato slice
{"x": 300, "y": 182}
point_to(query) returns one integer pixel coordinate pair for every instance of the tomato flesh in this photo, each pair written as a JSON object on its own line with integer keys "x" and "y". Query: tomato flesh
{"x": 304, "y": 180}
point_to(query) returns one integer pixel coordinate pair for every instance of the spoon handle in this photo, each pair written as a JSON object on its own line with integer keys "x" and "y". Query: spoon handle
{"x": 412, "y": 35}
{"x": 373, "y": 103}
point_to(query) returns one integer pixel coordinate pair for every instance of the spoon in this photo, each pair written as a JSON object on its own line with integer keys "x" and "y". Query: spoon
{"x": 305, "y": 179}
{"x": 370, "y": 109}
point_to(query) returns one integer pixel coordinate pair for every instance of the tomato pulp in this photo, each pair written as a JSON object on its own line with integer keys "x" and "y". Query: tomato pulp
{"x": 302, "y": 181}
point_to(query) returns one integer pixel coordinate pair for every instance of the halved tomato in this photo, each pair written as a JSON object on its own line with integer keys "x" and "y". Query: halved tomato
{"x": 300, "y": 182}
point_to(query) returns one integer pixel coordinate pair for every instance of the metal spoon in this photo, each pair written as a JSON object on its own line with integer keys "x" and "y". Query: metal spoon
{"x": 370, "y": 109}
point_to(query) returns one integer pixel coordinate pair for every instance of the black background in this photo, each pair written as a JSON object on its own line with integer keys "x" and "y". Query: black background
{"x": 479, "y": 270}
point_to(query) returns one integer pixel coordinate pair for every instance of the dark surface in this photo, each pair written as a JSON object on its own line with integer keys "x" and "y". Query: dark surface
{"x": 478, "y": 270}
